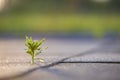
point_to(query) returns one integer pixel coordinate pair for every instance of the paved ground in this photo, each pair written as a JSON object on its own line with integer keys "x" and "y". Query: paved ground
{"x": 64, "y": 60}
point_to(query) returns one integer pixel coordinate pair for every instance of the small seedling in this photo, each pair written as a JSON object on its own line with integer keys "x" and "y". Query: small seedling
{"x": 34, "y": 48}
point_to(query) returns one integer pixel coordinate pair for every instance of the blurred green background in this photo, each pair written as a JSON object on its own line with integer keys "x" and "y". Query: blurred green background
{"x": 95, "y": 17}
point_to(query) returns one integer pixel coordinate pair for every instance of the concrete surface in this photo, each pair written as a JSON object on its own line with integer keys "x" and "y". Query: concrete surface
{"x": 64, "y": 60}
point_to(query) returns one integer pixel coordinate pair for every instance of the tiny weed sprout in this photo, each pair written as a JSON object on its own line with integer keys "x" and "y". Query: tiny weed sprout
{"x": 34, "y": 48}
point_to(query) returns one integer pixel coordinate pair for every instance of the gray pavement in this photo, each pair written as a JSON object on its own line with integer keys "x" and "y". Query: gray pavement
{"x": 64, "y": 60}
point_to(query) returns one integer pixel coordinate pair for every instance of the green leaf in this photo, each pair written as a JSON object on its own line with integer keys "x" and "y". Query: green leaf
{"x": 29, "y": 52}
{"x": 41, "y": 60}
{"x": 27, "y": 39}
{"x": 30, "y": 39}
{"x": 38, "y": 48}
{"x": 41, "y": 42}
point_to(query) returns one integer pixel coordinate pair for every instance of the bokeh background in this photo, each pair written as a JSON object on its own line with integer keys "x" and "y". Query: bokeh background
{"x": 79, "y": 30}
{"x": 81, "y": 18}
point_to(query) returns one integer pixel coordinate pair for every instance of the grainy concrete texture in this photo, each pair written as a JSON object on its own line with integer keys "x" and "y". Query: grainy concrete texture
{"x": 64, "y": 60}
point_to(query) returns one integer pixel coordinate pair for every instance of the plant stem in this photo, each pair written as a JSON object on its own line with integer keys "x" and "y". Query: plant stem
{"x": 33, "y": 59}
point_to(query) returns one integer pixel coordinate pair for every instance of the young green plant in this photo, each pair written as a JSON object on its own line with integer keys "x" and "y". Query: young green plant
{"x": 34, "y": 48}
